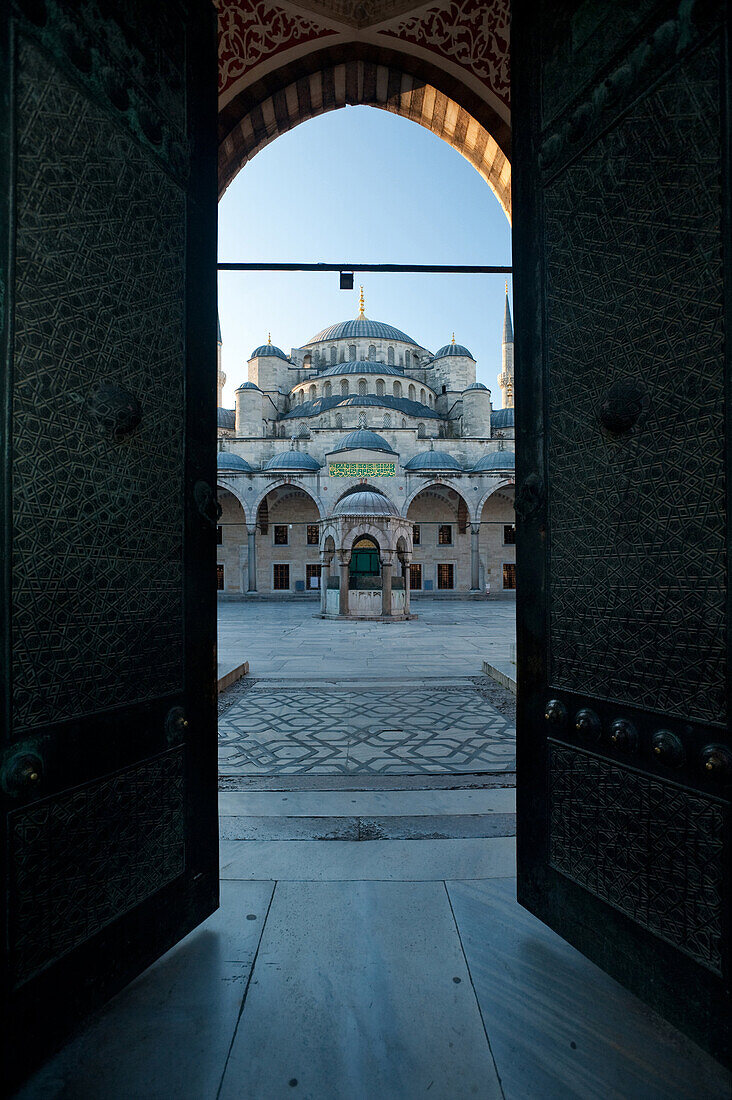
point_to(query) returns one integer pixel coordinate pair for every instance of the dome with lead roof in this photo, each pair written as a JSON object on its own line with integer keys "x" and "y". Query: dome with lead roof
{"x": 365, "y": 502}
{"x": 434, "y": 460}
{"x": 365, "y": 440}
{"x": 495, "y": 460}
{"x": 292, "y": 461}
{"x": 225, "y": 460}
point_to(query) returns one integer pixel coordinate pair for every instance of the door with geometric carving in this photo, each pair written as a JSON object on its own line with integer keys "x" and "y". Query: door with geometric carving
{"x": 622, "y": 271}
{"x": 108, "y": 329}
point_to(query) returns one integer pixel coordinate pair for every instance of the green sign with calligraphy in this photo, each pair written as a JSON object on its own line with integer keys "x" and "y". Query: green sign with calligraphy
{"x": 362, "y": 469}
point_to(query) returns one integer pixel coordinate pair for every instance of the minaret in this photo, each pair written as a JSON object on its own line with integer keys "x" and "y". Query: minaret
{"x": 505, "y": 378}
{"x": 220, "y": 376}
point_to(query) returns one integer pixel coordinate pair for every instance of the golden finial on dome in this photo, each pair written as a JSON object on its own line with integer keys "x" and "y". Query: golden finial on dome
{"x": 453, "y": 337}
{"x": 361, "y": 304}
{"x": 507, "y": 288}
{"x": 269, "y": 339}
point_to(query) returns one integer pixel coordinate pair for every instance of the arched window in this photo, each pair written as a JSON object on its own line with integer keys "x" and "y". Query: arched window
{"x": 372, "y": 351}
{"x": 407, "y": 359}
{"x": 379, "y": 387}
{"x": 404, "y": 423}
{"x": 422, "y": 396}
{"x": 351, "y": 351}
{"x": 333, "y": 353}
{"x": 344, "y": 388}
{"x": 362, "y": 420}
{"x": 397, "y": 389}
{"x": 304, "y": 433}
{"x": 362, "y": 387}
{"x": 312, "y": 393}
{"x": 338, "y": 420}
{"x": 328, "y": 389}
{"x": 432, "y": 400}
{"x": 387, "y": 420}
{"x": 342, "y": 356}
{"x": 390, "y": 356}
{"x": 420, "y": 431}
{"x": 412, "y": 393}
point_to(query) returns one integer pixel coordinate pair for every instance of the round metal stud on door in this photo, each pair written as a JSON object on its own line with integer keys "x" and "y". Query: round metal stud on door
{"x": 587, "y": 724}
{"x": 555, "y": 713}
{"x": 668, "y": 749}
{"x": 717, "y": 761}
{"x": 624, "y": 735}
{"x": 21, "y": 773}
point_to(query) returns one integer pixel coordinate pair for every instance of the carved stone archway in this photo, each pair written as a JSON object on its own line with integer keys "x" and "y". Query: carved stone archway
{"x": 445, "y": 67}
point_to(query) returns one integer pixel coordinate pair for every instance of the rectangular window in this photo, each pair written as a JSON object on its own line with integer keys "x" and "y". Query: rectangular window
{"x": 415, "y": 576}
{"x": 280, "y": 534}
{"x": 509, "y": 534}
{"x": 313, "y": 534}
{"x": 219, "y": 535}
{"x": 509, "y": 574}
{"x": 219, "y": 577}
{"x": 416, "y": 534}
{"x": 312, "y": 577}
{"x": 446, "y": 575}
{"x": 444, "y": 535}
{"x": 281, "y": 578}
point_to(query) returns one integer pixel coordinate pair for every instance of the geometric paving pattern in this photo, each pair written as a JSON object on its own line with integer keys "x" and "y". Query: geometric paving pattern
{"x": 411, "y": 729}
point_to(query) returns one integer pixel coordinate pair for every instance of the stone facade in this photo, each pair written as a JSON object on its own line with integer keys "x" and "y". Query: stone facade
{"x": 362, "y": 406}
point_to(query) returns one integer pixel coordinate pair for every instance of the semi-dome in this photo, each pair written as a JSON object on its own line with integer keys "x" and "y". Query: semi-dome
{"x": 433, "y": 460}
{"x": 495, "y": 460}
{"x": 476, "y": 386}
{"x": 365, "y": 502}
{"x": 360, "y": 366}
{"x": 502, "y": 418}
{"x": 225, "y": 460}
{"x": 225, "y": 418}
{"x": 268, "y": 349}
{"x": 361, "y": 328}
{"x": 453, "y": 349}
{"x": 292, "y": 460}
{"x": 247, "y": 386}
{"x": 364, "y": 439}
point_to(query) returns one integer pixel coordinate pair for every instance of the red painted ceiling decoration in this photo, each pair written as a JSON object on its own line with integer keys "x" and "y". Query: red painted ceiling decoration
{"x": 471, "y": 34}
{"x": 251, "y": 32}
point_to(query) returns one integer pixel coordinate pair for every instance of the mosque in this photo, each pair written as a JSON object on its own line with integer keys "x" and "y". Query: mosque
{"x": 364, "y": 469}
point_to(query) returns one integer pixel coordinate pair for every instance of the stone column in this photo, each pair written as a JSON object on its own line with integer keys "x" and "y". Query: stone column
{"x": 343, "y": 564}
{"x": 405, "y": 573}
{"x": 252, "y": 556}
{"x": 324, "y": 578}
{"x": 386, "y": 565}
{"x": 474, "y": 557}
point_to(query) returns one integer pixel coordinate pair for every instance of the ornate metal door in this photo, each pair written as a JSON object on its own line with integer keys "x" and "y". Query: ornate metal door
{"x": 622, "y": 238}
{"x": 108, "y": 329}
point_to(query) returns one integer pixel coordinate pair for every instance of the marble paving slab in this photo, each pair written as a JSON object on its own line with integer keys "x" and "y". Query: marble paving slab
{"x": 559, "y": 1027}
{"x": 390, "y": 860}
{"x": 360, "y": 990}
{"x": 168, "y": 1033}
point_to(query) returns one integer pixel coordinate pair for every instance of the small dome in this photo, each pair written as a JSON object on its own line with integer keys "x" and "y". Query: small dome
{"x": 476, "y": 386}
{"x": 502, "y": 418}
{"x": 227, "y": 461}
{"x": 292, "y": 460}
{"x": 495, "y": 460}
{"x": 365, "y": 439}
{"x": 365, "y": 502}
{"x": 433, "y": 460}
{"x": 268, "y": 349}
{"x": 225, "y": 418}
{"x": 453, "y": 349}
{"x": 248, "y": 386}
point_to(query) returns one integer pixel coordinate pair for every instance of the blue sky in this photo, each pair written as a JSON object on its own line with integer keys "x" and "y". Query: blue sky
{"x": 360, "y": 184}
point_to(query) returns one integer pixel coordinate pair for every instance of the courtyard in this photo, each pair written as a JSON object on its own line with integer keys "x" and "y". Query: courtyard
{"x": 357, "y": 698}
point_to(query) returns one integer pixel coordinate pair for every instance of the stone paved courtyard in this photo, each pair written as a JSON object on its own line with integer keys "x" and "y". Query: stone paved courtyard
{"x": 332, "y": 698}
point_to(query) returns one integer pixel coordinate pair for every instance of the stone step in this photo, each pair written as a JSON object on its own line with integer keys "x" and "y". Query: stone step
{"x": 394, "y": 827}
{"x": 367, "y": 803}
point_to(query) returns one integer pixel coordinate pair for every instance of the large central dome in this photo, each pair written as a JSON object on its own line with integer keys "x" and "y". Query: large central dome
{"x": 363, "y": 328}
